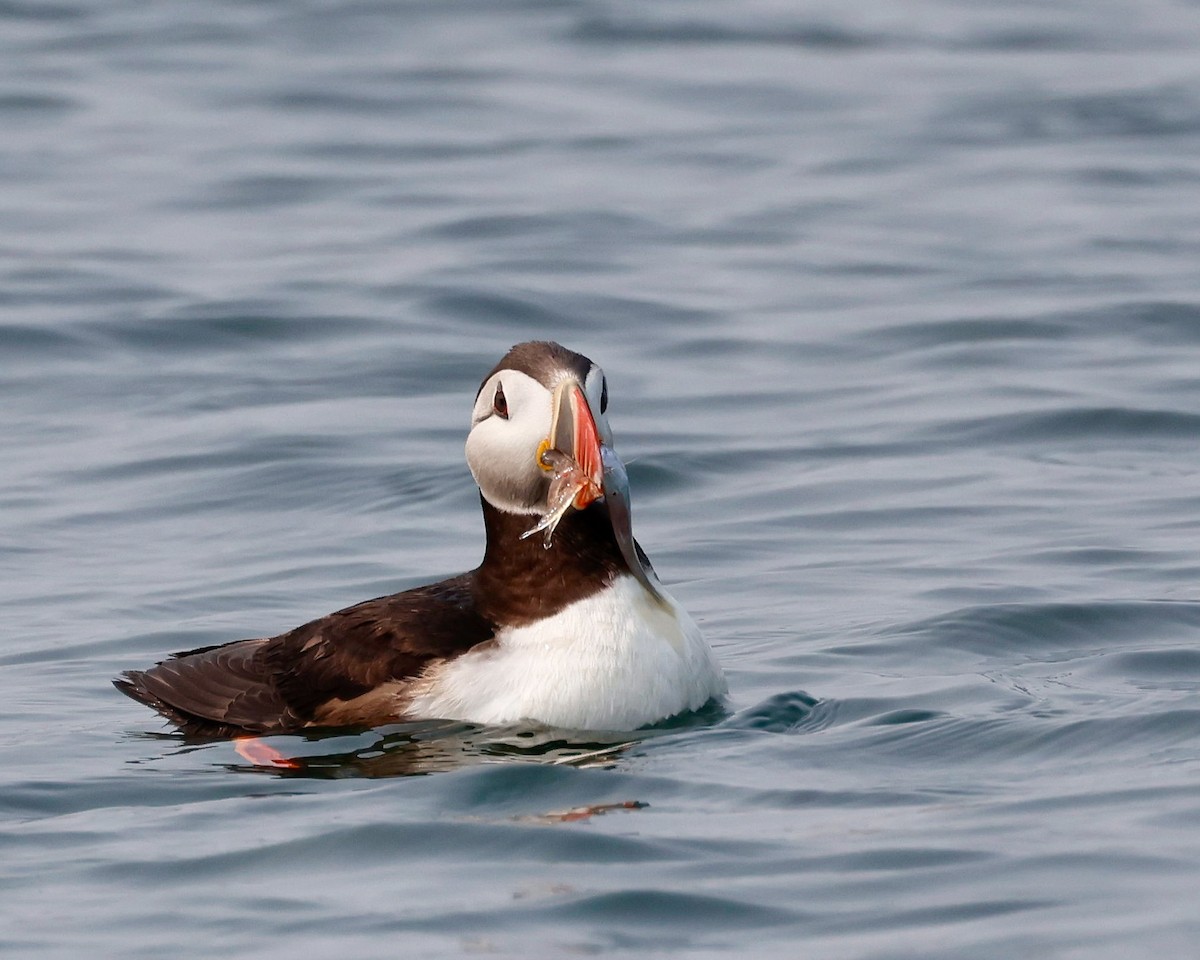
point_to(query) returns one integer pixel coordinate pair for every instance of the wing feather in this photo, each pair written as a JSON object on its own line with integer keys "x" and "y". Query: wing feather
{"x": 286, "y": 682}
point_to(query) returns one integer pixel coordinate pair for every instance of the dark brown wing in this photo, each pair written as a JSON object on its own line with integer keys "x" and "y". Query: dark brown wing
{"x": 308, "y": 675}
{"x": 218, "y": 691}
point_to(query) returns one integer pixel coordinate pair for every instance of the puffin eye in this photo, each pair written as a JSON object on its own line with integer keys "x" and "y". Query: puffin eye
{"x": 604, "y": 394}
{"x": 499, "y": 404}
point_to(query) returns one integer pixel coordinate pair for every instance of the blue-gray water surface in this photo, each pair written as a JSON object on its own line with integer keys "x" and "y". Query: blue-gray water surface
{"x": 900, "y": 309}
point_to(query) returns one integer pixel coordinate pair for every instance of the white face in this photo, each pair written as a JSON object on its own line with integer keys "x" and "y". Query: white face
{"x": 502, "y": 451}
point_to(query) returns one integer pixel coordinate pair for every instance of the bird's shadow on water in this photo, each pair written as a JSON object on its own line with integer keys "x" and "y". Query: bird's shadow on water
{"x": 428, "y": 747}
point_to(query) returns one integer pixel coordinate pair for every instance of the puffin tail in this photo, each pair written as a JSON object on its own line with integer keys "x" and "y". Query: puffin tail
{"x": 212, "y": 692}
{"x": 133, "y": 683}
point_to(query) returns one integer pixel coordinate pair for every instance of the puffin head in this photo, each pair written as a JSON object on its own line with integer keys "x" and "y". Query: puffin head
{"x": 540, "y": 396}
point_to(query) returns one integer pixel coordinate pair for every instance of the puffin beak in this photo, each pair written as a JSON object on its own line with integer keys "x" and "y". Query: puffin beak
{"x": 573, "y": 432}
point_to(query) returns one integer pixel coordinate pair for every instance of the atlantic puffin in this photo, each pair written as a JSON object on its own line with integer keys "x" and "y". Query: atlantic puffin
{"x": 570, "y": 628}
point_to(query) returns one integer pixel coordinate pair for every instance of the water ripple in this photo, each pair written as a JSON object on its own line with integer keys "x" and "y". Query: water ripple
{"x": 900, "y": 319}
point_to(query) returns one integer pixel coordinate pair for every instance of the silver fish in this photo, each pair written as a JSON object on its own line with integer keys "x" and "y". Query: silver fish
{"x": 569, "y": 480}
{"x": 616, "y": 495}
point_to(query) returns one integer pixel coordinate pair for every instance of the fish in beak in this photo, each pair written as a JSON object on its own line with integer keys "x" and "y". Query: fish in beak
{"x": 585, "y": 470}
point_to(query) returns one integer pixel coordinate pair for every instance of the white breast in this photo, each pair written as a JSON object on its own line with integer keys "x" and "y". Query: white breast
{"x": 614, "y": 661}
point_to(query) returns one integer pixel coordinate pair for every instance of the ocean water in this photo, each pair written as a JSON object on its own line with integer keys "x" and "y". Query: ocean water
{"x": 900, "y": 309}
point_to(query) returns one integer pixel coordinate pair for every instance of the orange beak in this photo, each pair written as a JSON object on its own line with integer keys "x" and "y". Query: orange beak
{"x": 573, "y": 432}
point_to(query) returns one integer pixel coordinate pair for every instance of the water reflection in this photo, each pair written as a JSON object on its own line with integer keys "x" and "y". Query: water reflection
{"x": 419, "y": 749}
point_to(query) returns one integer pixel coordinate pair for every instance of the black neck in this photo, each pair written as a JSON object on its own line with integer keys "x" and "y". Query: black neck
{"x": 521, "y": 581}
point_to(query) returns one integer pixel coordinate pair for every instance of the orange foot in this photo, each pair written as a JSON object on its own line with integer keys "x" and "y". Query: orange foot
{"x": 262, "y": 754}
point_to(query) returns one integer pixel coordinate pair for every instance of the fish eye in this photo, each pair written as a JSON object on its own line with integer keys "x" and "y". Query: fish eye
{"x": 604, "y": 395}
{"x": 499, "y": 403}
